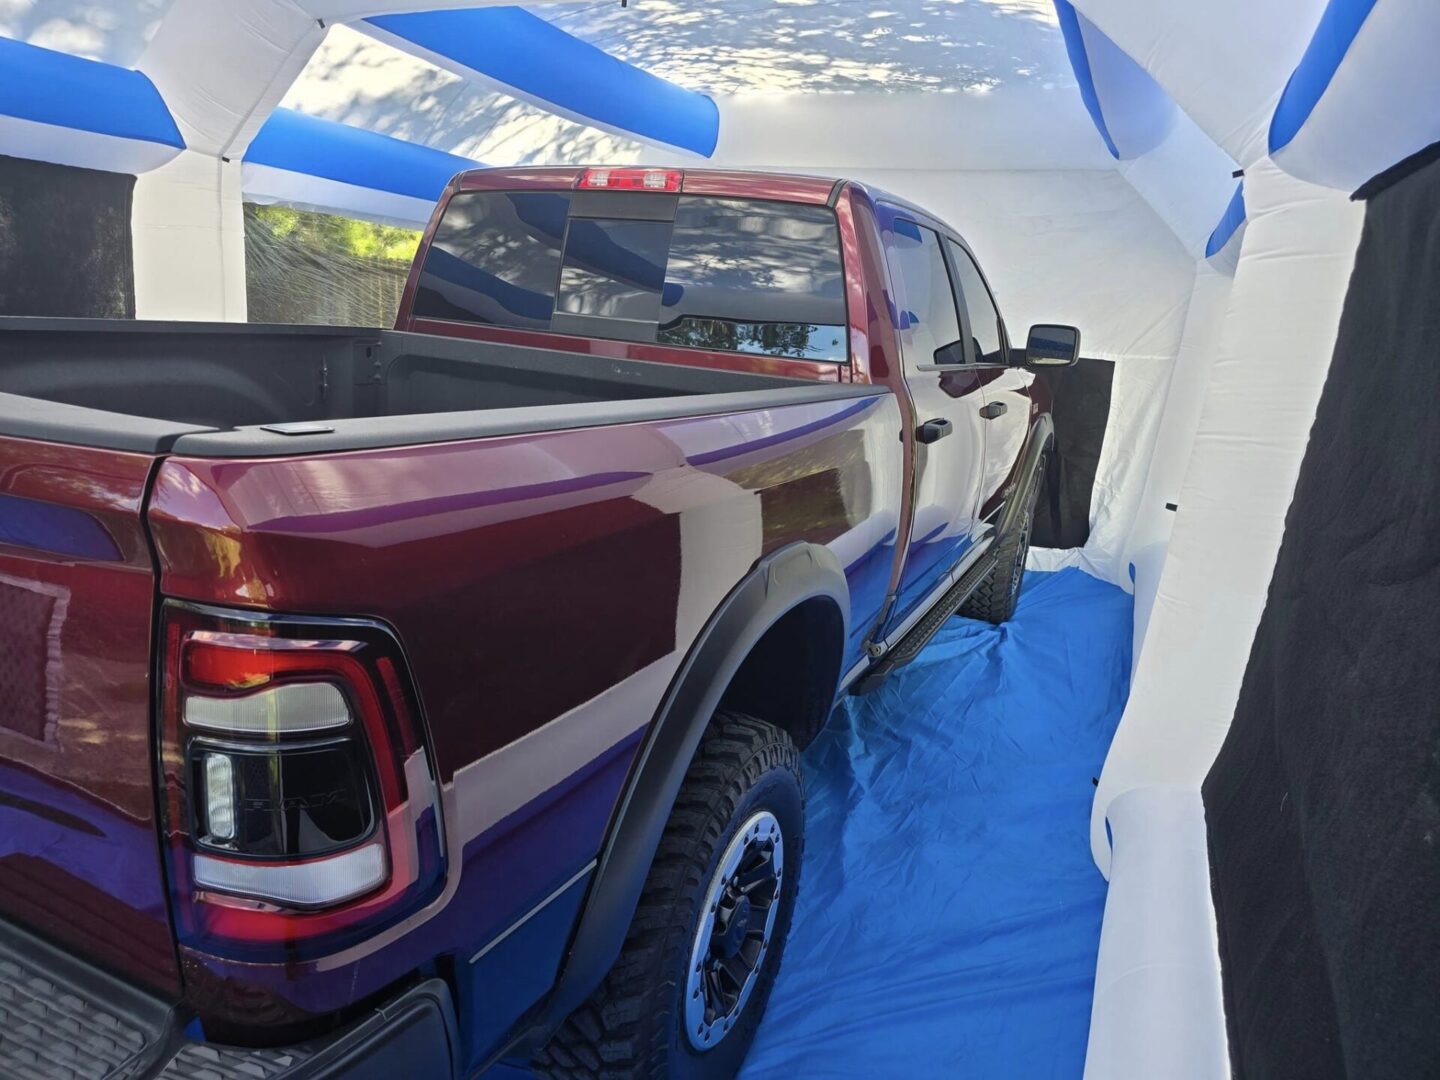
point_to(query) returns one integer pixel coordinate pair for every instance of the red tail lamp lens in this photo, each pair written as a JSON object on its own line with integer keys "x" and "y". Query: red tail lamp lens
{"x": 632, "y": 179}
{"x": 301, "y": 810}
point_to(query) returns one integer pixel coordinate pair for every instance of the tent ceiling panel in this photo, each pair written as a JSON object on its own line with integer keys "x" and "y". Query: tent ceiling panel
{"x": 265, "y": 43}
{"x": 1014, "y": 105}
{"x": 541, "y": 63}
{"x": 753, "y": 46}
{"x": 361, "y": 81}
{"x": 113, "y": 33}
{"x": 1026, "y": 128}
{"x": 1131, "y": 110}
{"x": 1224, "y": 62}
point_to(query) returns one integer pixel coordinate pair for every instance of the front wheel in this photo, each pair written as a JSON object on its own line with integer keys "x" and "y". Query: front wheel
{"x": 687, "y": 993}
{"x": 995, "y": 599}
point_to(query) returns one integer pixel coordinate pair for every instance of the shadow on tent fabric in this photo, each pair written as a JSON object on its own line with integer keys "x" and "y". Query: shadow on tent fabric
{"x": 949, "y": 910}
{"x": 949, "y": 913}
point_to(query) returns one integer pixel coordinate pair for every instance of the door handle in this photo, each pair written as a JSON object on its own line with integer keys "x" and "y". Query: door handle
{"x": 933, "y": 430}
{"x": 994, "y": 409}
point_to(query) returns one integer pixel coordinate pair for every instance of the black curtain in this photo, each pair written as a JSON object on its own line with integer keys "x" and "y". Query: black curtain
{"x": 1081, "y": 409}
{"x": 1324, "y": 803}
{"x": 65, "y": 241}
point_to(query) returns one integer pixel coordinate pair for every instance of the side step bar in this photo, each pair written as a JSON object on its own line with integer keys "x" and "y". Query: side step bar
{"x": 908, "y": 647}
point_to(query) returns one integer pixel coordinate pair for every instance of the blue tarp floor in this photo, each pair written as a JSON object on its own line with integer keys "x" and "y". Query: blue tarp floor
{"x": 949, "y": 912}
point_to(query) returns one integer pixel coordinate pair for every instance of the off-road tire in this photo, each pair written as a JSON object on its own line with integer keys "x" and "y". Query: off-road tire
{"x": 995, "y": 599}
{"x": 630, "y": 1029}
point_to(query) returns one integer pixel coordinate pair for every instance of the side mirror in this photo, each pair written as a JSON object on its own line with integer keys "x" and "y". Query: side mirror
{"x": 1051, "y": 345}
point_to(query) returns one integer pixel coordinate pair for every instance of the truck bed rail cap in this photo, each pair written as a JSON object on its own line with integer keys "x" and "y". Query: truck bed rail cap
{"x": 376, "y": 432}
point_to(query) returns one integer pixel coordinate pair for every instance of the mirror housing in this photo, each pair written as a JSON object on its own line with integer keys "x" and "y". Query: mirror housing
{"x": 1052, "y": 345}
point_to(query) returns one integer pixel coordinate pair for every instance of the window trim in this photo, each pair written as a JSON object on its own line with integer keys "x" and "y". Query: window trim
{"x": 964, "y": 304}
{"x": 962, "y": 319}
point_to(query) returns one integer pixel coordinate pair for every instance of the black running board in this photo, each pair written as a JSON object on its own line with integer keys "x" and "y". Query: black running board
{"x": 908, "y": 647}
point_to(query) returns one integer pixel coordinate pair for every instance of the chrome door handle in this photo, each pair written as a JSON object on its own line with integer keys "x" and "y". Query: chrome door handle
{"x": 994, "y": 409}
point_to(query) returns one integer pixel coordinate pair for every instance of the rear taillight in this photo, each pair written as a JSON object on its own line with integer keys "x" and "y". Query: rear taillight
{"x": 301, "y": 810}
{"x": 632, "y": 179}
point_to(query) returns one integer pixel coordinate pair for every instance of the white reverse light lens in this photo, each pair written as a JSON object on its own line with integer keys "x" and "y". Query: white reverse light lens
{"x": 219, "y": 797}
{"x": 655, "y": 180}
{"x": 294, "y": 708}
{"x": 308, "y": 884}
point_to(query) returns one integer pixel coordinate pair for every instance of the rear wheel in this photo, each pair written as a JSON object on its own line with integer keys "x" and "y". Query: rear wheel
{"x": 687, "y": 993}
{"x": 995, "y": 599}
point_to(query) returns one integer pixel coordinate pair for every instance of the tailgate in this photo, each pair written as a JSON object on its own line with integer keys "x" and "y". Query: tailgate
{"x": 79, "y": 855}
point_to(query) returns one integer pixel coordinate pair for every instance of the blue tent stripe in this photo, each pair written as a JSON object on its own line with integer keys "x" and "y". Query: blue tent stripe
{"x": 1337, "y": 29}
{"x": 543, "y": 62}
{"x": 1080, "y": 61}
{"x": 333, "y": 151}
{"x": 55, "y": 88}
{"x": 1230, "y": 222}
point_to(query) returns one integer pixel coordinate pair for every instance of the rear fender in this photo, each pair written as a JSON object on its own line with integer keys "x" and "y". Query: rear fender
{"x": 778, "y": 584}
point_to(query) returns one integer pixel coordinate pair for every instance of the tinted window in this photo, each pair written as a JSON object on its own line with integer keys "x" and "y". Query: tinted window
{"x": 495, "y": 259}
{"x": 725, "y": 274}
{"x": 984, "y": 319}
{"x": 925, "y": 303}
{"x": 755, "y": 277}
{"x": 614, "y": 269}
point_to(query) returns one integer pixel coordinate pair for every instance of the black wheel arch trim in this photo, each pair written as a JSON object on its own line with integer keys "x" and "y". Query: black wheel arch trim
{"x": 778, "y": 584}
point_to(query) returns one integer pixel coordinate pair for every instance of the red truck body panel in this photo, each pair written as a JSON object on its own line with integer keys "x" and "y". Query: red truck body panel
{"x": 495, "y": 561}
{"x": 78, "y": 854}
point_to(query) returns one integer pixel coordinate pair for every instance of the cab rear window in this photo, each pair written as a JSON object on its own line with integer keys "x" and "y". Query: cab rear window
{"x": 731, "y": 275}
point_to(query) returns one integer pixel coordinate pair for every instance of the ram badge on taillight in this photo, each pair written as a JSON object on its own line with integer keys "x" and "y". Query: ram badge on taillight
{"x": 301, "y": 809}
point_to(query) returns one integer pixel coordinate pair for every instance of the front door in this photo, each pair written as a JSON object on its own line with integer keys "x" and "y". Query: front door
{"x": 1009, "y": 405}
{"x": 946, "y": 390}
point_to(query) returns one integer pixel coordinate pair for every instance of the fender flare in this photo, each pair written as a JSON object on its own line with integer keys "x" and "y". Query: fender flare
{"x": 777, "y": 585}
{"x": 1042, "y": 435}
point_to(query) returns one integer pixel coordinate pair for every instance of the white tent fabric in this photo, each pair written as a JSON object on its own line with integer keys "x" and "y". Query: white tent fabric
{"x": 1225, "y": 62}
{"x": 1363, "y": 96}
{"x": 1089, "y": 154}
{"x": 1255, "y": 415}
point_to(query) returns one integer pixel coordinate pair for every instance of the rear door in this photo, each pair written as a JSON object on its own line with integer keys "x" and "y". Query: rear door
{"x": 945, "y": 388}
{"x": 79, "y": 856}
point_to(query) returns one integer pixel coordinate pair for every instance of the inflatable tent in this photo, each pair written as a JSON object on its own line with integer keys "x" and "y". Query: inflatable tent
{"x": 1237, "y": 202}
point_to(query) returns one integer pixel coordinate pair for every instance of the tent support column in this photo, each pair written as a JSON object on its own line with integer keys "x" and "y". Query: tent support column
{"x": 189, "y": 238}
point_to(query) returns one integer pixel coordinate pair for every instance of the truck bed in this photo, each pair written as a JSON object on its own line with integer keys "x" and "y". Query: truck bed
{"x": 216, "y": 389}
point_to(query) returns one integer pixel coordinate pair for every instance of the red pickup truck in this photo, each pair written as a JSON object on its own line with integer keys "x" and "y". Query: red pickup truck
{"x": 384, "y": 703}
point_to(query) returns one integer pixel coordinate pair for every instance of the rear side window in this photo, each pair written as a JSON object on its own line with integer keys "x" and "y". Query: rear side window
{"x": 495, "y": 259}
{"x": 984, "y": 318}
{"x": 925, "y": 304}
{"x": 755, "y": 277}
{"x": 728, "y": 275}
